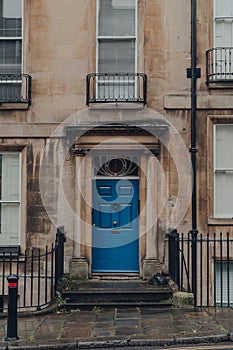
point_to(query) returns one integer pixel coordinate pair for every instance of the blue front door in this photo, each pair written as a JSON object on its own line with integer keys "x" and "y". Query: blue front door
{"x": 115, "y": 241}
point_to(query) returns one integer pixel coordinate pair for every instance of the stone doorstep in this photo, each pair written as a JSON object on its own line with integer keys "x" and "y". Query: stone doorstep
{"x": 87, "y": 294}
{"x": 111, "y": 284}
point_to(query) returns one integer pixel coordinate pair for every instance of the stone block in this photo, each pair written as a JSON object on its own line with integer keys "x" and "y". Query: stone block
{"x": 79, "y": 269}
{"x": 181, "y": 299}
{"x": 150, "y": 268}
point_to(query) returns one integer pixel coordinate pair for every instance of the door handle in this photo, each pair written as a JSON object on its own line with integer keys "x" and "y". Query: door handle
{"x": 115, "y": 223}
{"x": 94, "y": 225}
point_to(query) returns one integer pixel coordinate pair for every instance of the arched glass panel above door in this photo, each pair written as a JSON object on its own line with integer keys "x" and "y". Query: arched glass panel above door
{"x": 112, "y": 165}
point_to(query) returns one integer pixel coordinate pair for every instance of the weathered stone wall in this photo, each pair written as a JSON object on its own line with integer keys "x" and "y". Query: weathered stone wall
{"x": 59, "y": 51}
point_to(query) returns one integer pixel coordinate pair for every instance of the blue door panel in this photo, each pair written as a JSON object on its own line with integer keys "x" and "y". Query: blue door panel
{"x": 105, "y": 190}
{"x": 105, "y": 215}
{"x": 125, "y": 215}
{"x": 115, "y": 241}
{"x": 125, "y": 190}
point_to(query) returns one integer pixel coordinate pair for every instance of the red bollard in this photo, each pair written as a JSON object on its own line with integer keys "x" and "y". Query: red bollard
{"x": 12, "y": 308}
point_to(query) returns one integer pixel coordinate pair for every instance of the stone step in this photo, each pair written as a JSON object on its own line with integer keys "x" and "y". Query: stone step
{"x": 124, "y": 295}
{"x": 115, "y": 293}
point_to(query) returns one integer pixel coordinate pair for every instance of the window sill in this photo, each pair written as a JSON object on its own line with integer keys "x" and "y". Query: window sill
{"x": 14, "y": 105}
{"x": 220, "y": 222}
{"x": 220, "y": 84}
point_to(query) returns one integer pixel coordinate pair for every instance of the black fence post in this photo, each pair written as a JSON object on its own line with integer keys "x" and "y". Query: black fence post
{"x": 174, "y": 257}
{"x": 88, "y": 79}
{"x": 59, "y": 255}
{"x": 145, "y": 90}
{"x": 1, "y": 303}
{"x": 12, "y": 308}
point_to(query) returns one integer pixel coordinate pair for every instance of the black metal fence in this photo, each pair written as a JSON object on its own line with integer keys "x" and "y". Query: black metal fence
{"x": 214, "y": 267}
{"x": 219, "y": 65}
{"x": 116, "y": 87}
{"x": 38, "y": 274}
{"x": 15, "y": 88}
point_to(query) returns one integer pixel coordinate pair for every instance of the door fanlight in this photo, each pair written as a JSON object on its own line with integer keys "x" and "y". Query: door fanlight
{"x": 116, "y": 166}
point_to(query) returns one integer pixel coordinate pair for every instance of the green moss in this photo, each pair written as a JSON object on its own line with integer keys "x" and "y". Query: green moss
{"x": 181, "y": 299}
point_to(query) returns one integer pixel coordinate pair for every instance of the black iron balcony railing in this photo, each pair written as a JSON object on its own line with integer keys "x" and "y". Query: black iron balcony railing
{"x": 116, "y": 87}
{"x": 219, "y": 65}
{"x": 15, "y": 88}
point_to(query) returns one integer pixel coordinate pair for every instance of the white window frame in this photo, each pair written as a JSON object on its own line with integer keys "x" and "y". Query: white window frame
{"x": 20, "y": 194}
{"x": 222, "y": 64}
{"x": 99, "y": 37}
{"x": 219, "y": 170}
{"x": 2, "y": 38}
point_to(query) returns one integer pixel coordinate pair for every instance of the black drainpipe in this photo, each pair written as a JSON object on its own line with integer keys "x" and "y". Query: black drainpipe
{"x": 194, "y": 73}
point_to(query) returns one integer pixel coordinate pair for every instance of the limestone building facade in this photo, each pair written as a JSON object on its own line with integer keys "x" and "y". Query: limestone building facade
{"x": 95, "y": 119}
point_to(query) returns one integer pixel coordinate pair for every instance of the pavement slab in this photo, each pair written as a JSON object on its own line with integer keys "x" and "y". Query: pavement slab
{"x": 67, "y": 330}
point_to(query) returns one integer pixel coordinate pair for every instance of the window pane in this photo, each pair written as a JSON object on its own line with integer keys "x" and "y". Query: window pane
{"x": 223, "y": 8}
{"x": 11, "y": 18}
{"x": 221, "y": 274}
{"x": 12, "y": 9}
{"x": 224, "y": 146}
{"x": 224, "y": 195}
{"x": 116, "y": 56}
{"x": 117, "y": 17}
{"x": 9, "y": 177}
{"x": 10, "y": 56}
{"x": 9, "y": 224}
{"x": 223, "y": 33}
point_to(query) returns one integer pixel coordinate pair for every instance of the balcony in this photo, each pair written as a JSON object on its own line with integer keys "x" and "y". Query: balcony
{"x": 116, "y": 88}
{"x": 15, "y": 88}
{"x": 219, "y": 65}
